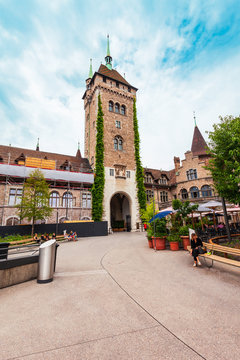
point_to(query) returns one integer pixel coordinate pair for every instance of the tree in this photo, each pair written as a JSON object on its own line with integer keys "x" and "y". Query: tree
{"x": 34, "y": 204}
{"x": 148, "y": 213}
{"x": 183, "y": 208}
{"x": 224, "y": 164}
{"x": 139, "y": 170}
{"x": 98, "y": 186}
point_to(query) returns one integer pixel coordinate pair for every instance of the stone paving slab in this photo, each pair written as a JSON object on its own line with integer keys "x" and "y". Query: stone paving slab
{"x": 109, "y": 299}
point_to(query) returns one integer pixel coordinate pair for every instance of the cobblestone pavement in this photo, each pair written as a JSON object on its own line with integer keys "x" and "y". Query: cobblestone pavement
{"x": 114, "y": 298}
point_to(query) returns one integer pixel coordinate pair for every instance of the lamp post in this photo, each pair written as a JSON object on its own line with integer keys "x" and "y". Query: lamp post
{"x": 154, "y": 237}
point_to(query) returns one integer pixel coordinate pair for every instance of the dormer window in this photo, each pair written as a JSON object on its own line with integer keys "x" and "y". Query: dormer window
{"x": 148, "y": 179}
{"x": 66, "y": 166}
{"x": 20, "y": 160}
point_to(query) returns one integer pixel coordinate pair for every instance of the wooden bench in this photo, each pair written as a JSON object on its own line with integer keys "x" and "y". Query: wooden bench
{"x": 31, "y": 241}
{"x": 222, "y": 249}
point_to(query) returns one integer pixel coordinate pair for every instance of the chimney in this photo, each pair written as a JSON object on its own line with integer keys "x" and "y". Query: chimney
{"x": 176, "y": 163}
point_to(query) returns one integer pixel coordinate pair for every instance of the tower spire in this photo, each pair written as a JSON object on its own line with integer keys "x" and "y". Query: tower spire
{"x": 37, "y": 147}
{"x": 194, "y": 117}
{"x": 90, "y": 75}
{"x": 108, "y": 58}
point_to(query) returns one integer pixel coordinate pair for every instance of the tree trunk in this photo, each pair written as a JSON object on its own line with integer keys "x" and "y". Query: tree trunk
{"x": 33, "y": 221}
{"x": 226, "y": 219}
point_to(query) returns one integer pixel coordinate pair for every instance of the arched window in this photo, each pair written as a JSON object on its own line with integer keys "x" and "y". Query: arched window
{"x": 54, "y": 199}
{"x": 110, "y": 106}
{"x": 67, "y": 199}
{"x": 194, "y": 192}
{"x": 206, "y": 191}
{"x": 118, "y": 143}
{"x": 62, "y": 219}
{"x": 123, "y": 110}
{"x": 85, "y": 218}
{"x": 184, "y": 194}
{"x": 12, "y": 221}
{"x": 117, "y": 108}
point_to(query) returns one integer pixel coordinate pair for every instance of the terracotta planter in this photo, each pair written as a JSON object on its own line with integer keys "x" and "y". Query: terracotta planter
{"x": 186, "y": 241}
{"x": 160, "y": 243}
{"x": 150, "y": 244}
{"x": 174, "y": 245}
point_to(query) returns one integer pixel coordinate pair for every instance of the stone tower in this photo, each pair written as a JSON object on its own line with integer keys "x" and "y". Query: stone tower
{"x": 120, "y": 193}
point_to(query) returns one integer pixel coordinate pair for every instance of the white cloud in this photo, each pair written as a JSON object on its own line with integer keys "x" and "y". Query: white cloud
{"x": 46, "y": 80}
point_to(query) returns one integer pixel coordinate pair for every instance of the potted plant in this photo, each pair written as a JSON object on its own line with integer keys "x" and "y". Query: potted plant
{"x": 174, "y": 241}
{"x": 149, "y": 236}
{"x": 160, "y": 234}
{"x": 184, "y": 235}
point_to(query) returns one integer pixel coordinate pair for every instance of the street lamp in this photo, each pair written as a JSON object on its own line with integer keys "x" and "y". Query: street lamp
{"x": 154, "y": 237}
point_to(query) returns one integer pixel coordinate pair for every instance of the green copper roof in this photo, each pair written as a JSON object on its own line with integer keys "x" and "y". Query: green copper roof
{"x": 108, "y": 47}
{"x": 108, "y": 57}
{"x": 90, "y": 75}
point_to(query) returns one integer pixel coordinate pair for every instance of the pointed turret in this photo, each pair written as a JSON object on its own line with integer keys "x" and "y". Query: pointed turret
{"x": 37, "y": 147}
{"x": 90, "y": 75}
{"x": 199, "y": 145}
{"x": 108, "y": 58}
{"x": 78, "y": 154}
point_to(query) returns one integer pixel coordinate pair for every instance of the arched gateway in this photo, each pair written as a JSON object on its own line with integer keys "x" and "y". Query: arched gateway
{"x": 120, "y": 211}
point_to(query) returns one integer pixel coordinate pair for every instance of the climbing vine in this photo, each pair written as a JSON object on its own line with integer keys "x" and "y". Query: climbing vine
{"x": 98, "y": 186}
{"x": 139, "y": 170}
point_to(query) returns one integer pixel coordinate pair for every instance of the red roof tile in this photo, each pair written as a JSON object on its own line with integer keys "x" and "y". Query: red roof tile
{"x": 198, "y": 143}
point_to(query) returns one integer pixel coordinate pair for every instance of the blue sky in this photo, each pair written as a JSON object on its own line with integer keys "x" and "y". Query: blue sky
{"x": 181, "y": 55}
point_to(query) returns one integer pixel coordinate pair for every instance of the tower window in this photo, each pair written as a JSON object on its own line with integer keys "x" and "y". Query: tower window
{"x": 128, "y": 173}
{"x": 118, "y": 124}
{"x": 118, "y": 143}
{"x": 110, "y": 106}
{"x": 111, "y": 172}
{"x": 104, "y": 79}
{"x": 117, "y": 84}
{"x": 117, "y": 108}
{"x": 123, "y": 110}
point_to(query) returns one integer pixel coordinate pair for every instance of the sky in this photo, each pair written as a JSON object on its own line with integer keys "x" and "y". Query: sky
{"x": 182, "y": 55}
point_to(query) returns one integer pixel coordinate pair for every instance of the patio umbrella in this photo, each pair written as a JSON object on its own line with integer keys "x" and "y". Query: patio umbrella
{"x": 213, "y": 204}
{"x": 160, "y": 215}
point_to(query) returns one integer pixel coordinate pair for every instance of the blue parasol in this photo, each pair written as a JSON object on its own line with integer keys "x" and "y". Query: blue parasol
{"x": 161, "y": 215}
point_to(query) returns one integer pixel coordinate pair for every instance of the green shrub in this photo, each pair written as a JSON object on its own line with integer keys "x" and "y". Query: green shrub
{"x": 184, "y": 230}
{"x": 160, "y": 227}
{"x": 173, "y": 238}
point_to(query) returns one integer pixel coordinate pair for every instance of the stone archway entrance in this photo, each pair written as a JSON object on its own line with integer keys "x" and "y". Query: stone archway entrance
{"x": 120, "y": 212}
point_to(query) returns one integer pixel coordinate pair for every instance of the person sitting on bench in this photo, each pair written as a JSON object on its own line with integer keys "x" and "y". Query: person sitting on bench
{"x": 195, "y": 243}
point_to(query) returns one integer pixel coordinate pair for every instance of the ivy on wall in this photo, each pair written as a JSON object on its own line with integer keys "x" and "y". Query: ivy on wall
{"x": 139, "y": 170}
{"x": 98, "y": 186}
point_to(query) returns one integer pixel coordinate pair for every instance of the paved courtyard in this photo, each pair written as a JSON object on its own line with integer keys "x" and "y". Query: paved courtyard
{"x": 113, "y": 298}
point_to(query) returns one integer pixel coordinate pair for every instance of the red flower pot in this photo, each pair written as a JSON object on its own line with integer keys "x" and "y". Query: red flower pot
{"x": 174, "y": 245}
{"x": 160, "y": 243}
{"x": 186, "y": 241}
{"x": 150, "y": 244}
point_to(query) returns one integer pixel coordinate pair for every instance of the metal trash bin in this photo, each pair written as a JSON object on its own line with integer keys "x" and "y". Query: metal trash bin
{"x": 46, "y": 261}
